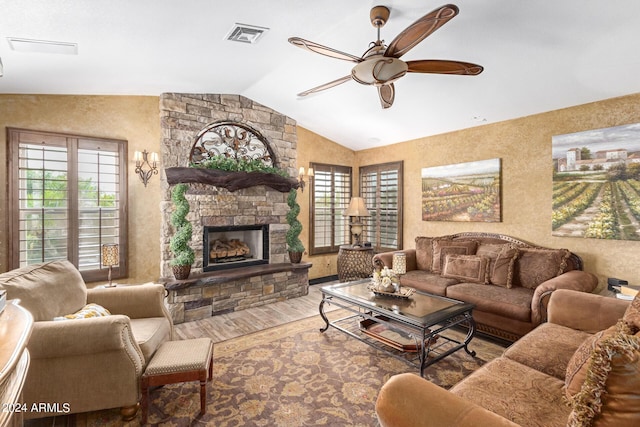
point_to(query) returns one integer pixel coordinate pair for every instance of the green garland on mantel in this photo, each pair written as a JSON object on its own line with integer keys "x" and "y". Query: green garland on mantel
{"x": 229, "y": 164}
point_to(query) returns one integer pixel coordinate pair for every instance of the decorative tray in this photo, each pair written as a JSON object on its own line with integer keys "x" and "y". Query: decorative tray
{"x": 396, "y": 338}
{"x": 404, "y": 292}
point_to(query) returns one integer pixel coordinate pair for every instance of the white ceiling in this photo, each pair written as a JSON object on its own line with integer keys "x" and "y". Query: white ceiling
{"x": 539, "y": 55}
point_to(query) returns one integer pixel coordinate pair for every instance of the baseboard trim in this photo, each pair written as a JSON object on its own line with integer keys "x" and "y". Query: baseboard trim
{"x": 325, "y": 279}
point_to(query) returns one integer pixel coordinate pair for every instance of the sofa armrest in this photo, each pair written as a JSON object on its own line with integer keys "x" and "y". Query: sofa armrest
{"x": 576, "y": 280}
{"x": 408, "y": 400}
{"x": 64, "y": 338}
{"x": 387, "y": 258}
{"x": 135, "y": 301}
{"x": 585, "y": 312}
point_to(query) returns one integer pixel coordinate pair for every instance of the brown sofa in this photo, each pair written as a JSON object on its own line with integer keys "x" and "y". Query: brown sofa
{"x": 89, "y": 363}
{"x": 581, "y": 368}
{"x": 507, "y": 279}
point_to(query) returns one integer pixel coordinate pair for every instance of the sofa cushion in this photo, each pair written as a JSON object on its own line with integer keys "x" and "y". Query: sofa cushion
{"x": 467, "y": 268}
{"x": 603, "y": 380}
{"x": 443, "y": 247}
{"x": 537, "y": 265}
{"x": 503, "y": 269}
{"x": 47, "y": 290}
{"x": 547, "y": 349}
{"x": 491, "y": 251}
{"x": 427, "y": 282}
{"x": 517, "y": 392}
{"x": 632, "y": 314}
{"x": 513, "y": 303}
{"x": 87, "y": 312}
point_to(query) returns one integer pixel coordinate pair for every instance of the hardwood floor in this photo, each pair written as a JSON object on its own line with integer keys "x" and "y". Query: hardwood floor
{"x": 226, "y": 326}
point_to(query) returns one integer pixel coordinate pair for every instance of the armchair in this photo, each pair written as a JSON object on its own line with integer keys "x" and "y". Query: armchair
{"x": 93, "y": 363}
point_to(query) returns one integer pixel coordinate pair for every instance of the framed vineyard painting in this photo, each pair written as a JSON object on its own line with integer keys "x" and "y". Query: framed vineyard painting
{"x": 462, "y": 192}
{"x": 596, "y": 183}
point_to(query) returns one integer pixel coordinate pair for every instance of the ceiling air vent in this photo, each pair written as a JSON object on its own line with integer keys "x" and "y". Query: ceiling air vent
{"x": 245, "y": 33}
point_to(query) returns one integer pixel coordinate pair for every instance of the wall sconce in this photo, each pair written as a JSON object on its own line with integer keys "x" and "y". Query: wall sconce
{"x": 310, "y": 174}
{"x": 110, "y": 257}
{"x": 144, "y": 168}
{"x": 356, "y": 209}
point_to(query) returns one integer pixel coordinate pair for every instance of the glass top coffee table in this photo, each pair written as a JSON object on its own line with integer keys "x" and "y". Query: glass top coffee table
{"x": 414, "y": 329}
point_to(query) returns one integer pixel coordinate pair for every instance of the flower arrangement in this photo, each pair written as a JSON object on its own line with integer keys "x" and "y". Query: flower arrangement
{"x": 385, "y": 280}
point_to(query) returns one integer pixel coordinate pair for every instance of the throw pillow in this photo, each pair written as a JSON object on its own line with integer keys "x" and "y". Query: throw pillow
{"x": 88, "y": 311}
{"x": 443, "y": 247}
{"x": 491, "y": 251}
{"x": 469, "y": 268}
{"x": 632, "y": 314}
{"x": 424, "y": 253}
{"x": 537, "y": 265}
{"x": 603, "y": 380}
{"x": 502, "y": 272}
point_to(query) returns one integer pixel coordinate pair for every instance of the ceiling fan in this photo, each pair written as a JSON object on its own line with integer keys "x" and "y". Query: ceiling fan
{"x": 381, "y": 65}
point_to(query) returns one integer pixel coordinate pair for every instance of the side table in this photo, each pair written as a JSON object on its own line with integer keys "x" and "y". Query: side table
{"x": 354, "y": 263}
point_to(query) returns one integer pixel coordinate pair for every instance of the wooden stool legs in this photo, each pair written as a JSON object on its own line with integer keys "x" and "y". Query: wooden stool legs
{"x": 150, "y": 381}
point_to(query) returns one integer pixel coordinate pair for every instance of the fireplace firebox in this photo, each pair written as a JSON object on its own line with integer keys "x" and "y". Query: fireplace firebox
{"x": 235, "y": 246}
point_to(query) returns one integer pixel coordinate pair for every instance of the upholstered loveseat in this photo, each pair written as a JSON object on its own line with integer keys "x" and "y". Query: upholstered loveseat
{"x": 581, "y": 368}
{"x": 508, "y": 280}
{"x": 90, "y": 362}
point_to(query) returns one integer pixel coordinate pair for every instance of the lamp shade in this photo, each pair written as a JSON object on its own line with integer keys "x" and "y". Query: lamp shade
{"x": 399, "y": 263}
{"x": 356, "y": 208}
{"x": 110, "y": 255}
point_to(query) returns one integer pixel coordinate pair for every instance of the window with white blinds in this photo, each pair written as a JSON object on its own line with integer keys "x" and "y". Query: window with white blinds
{"x": 330, "y": 195}
{"x": 381, "y": 188}
{"x": 68, "y": 197}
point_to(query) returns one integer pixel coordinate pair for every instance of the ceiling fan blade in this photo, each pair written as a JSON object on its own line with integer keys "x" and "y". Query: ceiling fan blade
{"x": 437, "y": 66}
{"x": 323, "y": 50}
{"x": 387, "y": 93}
{"x": 419, "y": 30}
{"x": 326, "y": 85}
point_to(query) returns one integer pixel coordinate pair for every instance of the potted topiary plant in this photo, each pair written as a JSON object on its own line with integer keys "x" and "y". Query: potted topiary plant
{"x": 179, "y": 244}
{"x": 294, "y": 245}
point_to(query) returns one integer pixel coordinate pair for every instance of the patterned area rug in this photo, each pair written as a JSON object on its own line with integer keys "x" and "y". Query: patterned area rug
{"x": 292, "y": 375}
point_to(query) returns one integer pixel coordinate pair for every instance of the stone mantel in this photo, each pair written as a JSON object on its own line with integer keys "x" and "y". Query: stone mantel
{"x": 230, "y": 180}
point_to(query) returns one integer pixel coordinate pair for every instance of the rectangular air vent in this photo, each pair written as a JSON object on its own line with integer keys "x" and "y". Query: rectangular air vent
{"x": 245, "y": 33}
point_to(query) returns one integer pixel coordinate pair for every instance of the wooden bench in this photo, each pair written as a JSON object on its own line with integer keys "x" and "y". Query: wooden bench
{"x": 179, "y": 361}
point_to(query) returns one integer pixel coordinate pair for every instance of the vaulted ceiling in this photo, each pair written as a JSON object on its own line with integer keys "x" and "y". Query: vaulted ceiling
{"x": 539, "y": 55}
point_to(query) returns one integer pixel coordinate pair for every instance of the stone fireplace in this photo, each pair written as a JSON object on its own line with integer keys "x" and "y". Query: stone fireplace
{"x": 254, "y": 216}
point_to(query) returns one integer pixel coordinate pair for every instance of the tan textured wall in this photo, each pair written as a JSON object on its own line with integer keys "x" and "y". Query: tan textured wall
{"x": 524, "y": 145}
{"x": 315, "y": 148}
{"x": 133, "y": 118}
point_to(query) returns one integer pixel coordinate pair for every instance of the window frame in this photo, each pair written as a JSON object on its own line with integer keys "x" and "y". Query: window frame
{"x": 72, "y": 144}
{"x": 372, "y": 231}
{"x": 334, "y": 247}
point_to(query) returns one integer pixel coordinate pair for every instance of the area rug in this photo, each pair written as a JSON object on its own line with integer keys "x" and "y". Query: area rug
{"x": 292, "y": 375}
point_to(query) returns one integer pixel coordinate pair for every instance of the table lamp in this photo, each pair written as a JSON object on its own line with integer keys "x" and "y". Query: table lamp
{"x": 356, "y": 209}
{"x": 110, "y": 257}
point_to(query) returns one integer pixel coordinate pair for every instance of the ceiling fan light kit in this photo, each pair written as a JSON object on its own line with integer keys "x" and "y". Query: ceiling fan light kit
{"x": 381, "y": 65}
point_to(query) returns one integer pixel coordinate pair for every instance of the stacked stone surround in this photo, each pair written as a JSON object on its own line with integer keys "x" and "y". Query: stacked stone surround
{"x": 182, "y": 117}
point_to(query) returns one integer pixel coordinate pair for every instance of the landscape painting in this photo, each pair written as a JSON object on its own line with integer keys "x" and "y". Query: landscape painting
{"x": 596, "y": 183}
{"x": 462, "y": 192}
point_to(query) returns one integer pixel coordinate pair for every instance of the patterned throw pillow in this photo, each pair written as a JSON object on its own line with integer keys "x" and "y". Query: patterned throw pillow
{"x": 469, "y": 268}
{"x": 88, "y": 311}
{"x": 632, "y": 314}
{"x": 502, "y": 272}
{"x": 443, "y": 247}
{"x": 603, "y": 380}
{"x": 537, "y": 265}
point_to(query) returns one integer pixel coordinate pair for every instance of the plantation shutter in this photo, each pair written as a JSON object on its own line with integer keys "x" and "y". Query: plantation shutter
{"x": 381, "y": 188}
{"x": 330, "y": 195}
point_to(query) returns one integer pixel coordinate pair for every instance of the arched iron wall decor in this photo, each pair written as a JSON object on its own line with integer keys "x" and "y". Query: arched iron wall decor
{"x": 232, "y": 140}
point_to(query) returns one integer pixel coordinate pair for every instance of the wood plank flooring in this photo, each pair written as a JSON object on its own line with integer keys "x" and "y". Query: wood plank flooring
{"x": 226, "y": 326}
